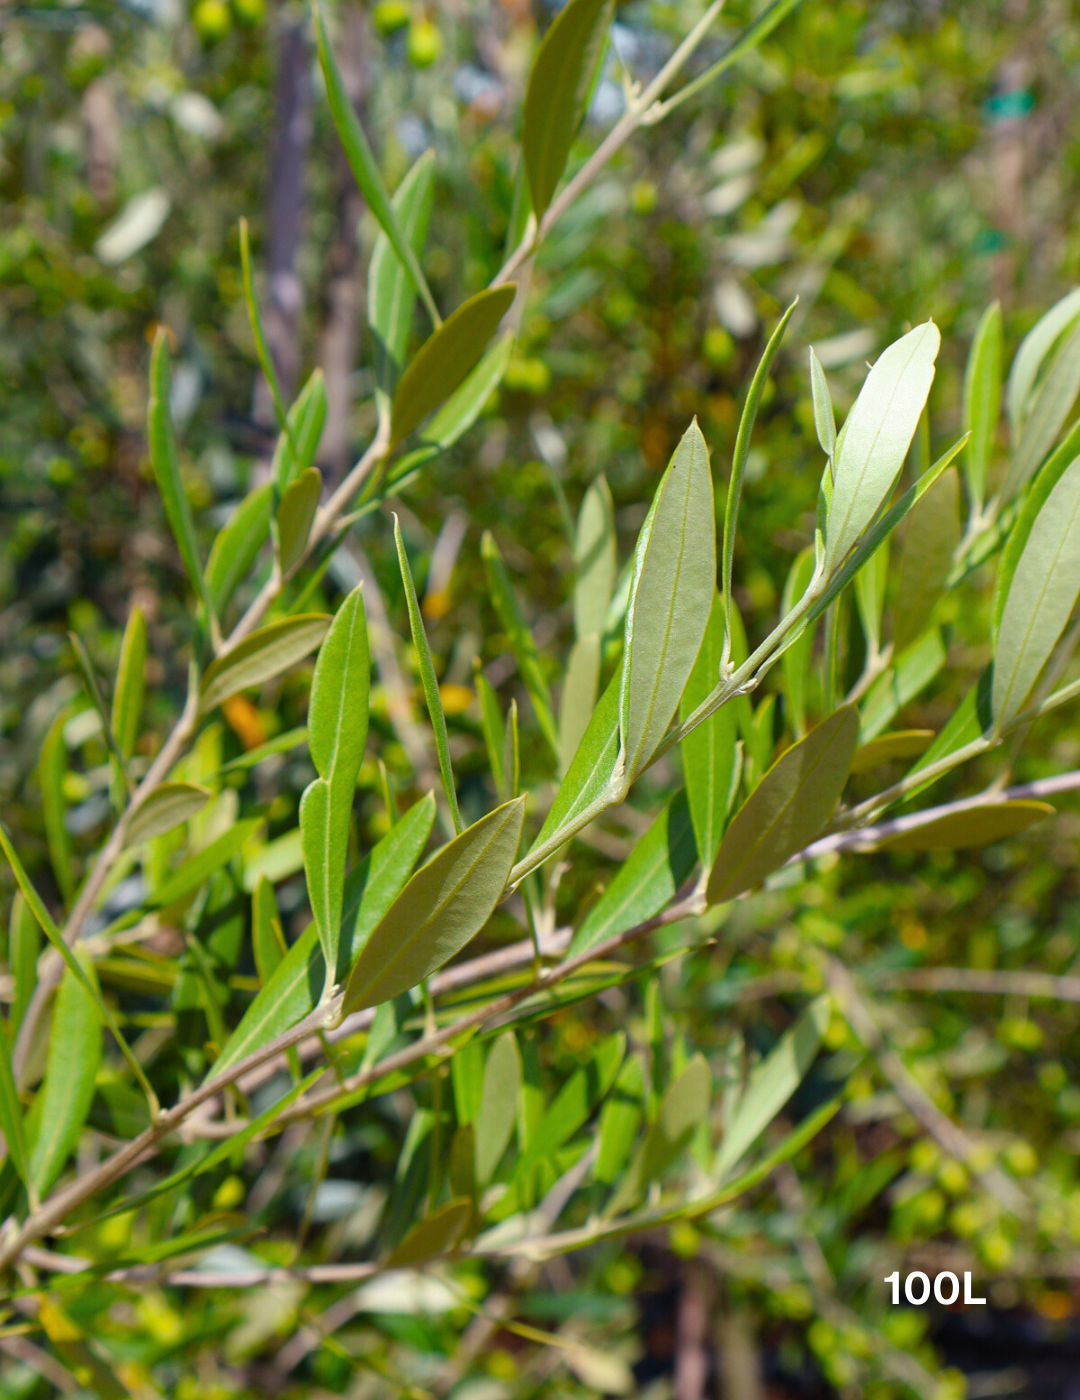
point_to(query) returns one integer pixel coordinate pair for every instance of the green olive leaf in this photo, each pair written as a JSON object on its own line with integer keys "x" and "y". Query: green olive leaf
{"x": 446, "y": 357}
{"x": 887, "y": 748}
{"x": 578, "y": 699}
{"x": 391, "y": 290}
{"x": 593, "y": 766}
{"x": 1041, "y": 597}
{"x": 267, "y": 652}
{"x": 573, "y": 1105}
{"x": 439, "y": 1234}
{"x": 708, "y": 752}
{"x": 670, "y": 598}
{"x": 662, "y": 859}
{"x": 931, "y": 536}
{"x": 130, "y": 683}
{"x": 24, "y": 945}
{"x": 445, "y": 905}
{"x": 557, "y": 93}
{"x": 594, "y": 558}
{"x": 299, "y": 502}
{"x": 982, "y": 399}
{"x": 296, "y": 984}
{"x": 519, "y": 637}
{"x": 620, "y": 1119}
{"x": 494, "y": 1123}
{"x": 973, "y": 826}
{"x": 877, "y": 435}
{"x": 684, "y": 1106}
{"x": 824, "y": 414}
{"x": 788, "y": 807}
{"x": 267, "y": 937}
{"x": 11, "y": 1115}
{"x": 1051, "y": 405}
{"x": 52, "y": 767}
{"x": 237, "y": 544}
{"x": 1033, "y": 350}
{"x": 299, "y": 440}
{"x": 167, "y": 806}
{"x": 194, "y": 872}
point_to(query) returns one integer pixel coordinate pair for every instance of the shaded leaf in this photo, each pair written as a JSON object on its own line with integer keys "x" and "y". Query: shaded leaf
{"x": 167, "y": 806}
{"x": 869, "y": 591}
{"x": 52, "y": 766}
{"x": 672, "y": 592}
{"x": 662, "y": 859}
{"x": 237, "y": 545}
{"x": 362, "y": 162}
{"x": 982, "y": 399}
{"x": 445, "y": 904}
{"x": 788, "y": 807}
{"x": 1041, "y": 597}
{"x": 930, "y": 538}
{"x": 494, "y": 730}
{"x": 914, "y": 670}
{"x": 446, "y": 357}
{"x": 558, "y": 88}
{"x": 974, "y": 826}
{"x": 594, "y": 558}
{"x": 797, "y": 659}
{"x": 877, "y": 435}
{"x": 70, "y": 1070}
{"x": 463, "y": 407}
{"x": 130, "y": 683}
{"x": 578, "y": 699}
{"x": 574, "y": 1103}
{"x": 267, "y": 938}
{"x": 593, "y": 766}
{"x": 494, "y": 1124}
{"x": 299, "y": 502}
{"x": 194, "y": 872}
{"x": 519, "y": 637}
{"x": 428, "y": 678}
{"x": 11, "y": 1115}
{"x": 297, "y": 983}
{"x": 165, "y": 459}
{"x": 299, "y": 441}
{"x": 824, "y": 415}
{"x": 683, "y": 1108}
{"x": 270, "y": 650}
{"x": 771, "y": 1084}
{"x": 708, "y": 752}
{"x": 620, "y": 1119}
{"x": 439, "y": 1234}
{"x": 902, "y": 743}
{"x": 24, "y": 945}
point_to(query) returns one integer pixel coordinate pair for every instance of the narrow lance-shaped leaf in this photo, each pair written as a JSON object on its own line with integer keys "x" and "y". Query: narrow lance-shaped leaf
{"x": 888, "y": 748}
{"x": 52, "y": 767}
{"x": 930, "y": 538}
{"x": 520, "y": 639}
{"x": 24, "y": 945}
{"x": 297, "y": 983}
{"x": 130, "y": 684}
{"x": 237, "y": 544}
{"x": 463, "y": 407}
{"x": 662, "y": 859}
{"x": 299, "y": 440}
{"x": 798, "y": 657}
{"x": 167, "y": 806}
{"x": 11, "y": 1116}
{"x": 362, "y": 162}
{"x": 593, "y": 767}
{"x": 972, "y": 826}
{"x": 337, "y": 733}
{"x": 557, "y": 91}
{"x": 683, "y": 1108}
{"x": 299, "y": 502}
{"x": 742, "y": 451}
{"x": 262, "y": 348}
{"x": 194, "y": 872}
{"x": 165, "y": 460}
{"x": 594, "y": 558}
{"x": 494, "y": 730}
{"x": 267, "y": 938}
{"x": 876, "y": 436}
{"x": 93, "y": 690}
{"x": 1051, "y": 405}
{"x": 391, "y": 290}
{"x": 674, "y": 583}
{"x": 499, "y": 1096}
{"x": 982, "y": 399}
{"x": 788, "y": 807}
{"x": 574, "y": 1103}
{"x": 620, "y": 1119}
{"x": 869, "y": 591}
{"x": 445, "y": 904}
{"x": 1042, "y": 595}
{"x": 824, "y": 416}
{"x": 70, "y": 1071}
{"x": 770, "y": 1086}
{"x": 434, "y": 1237}
{"x": 427, "y": 678}
{"x": 1033, "y": 350}
{"x": 708, "y": 752}
{"x": 578, "y": 699}
{"x": 267, "y": 652}
{"x": 446, "y": 357}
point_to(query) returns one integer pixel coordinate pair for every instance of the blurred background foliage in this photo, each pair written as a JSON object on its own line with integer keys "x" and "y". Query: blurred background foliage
{"x": 887, "y": 160}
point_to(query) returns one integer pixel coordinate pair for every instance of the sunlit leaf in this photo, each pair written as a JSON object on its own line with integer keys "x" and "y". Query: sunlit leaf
{"x": 824, "y": 415}
{"x": 578, "y": 699}
{"x": 876, "y": 436}
{"x": 237, "y": 545}
{"x": 445, "y": 904}
{"x": 498, "y": 1105}
{"x": 982, "y": 398}
{"x": 930, "y": 538}
{"x": 1051, "y": 405}
{"x": 265, "y": 653}
{"x": 670, "y": 599}
{"x": 299, "y": 502}
{"x": 304, "y": 425}
{"x": 593, "y": 766}
{"x": 167, "y": 806}
{"x": 1033, "y": 350}
{"x": 788, "y": 807}
{"x": 594, "y": 558}
{"x": 973, "y": 826}
{"x": 391, "y": 290}
{"x": 70, "y": 1070}
{"x": 708, "y": 752}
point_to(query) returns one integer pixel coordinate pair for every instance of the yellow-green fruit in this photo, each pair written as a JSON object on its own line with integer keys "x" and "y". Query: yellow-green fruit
{"x": 425, "y": 43}
{"x": 995, "y": 1249}
{"x": 389, "y": 16}
{"x": 212, "y": 20}
{"x": 250, "y": 12}
{"x": 1018, "y": 1033}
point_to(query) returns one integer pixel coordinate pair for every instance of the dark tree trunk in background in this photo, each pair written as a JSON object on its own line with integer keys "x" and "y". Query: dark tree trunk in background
{"x": 292, "y": 138}
{"x": 344, "y": 293}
